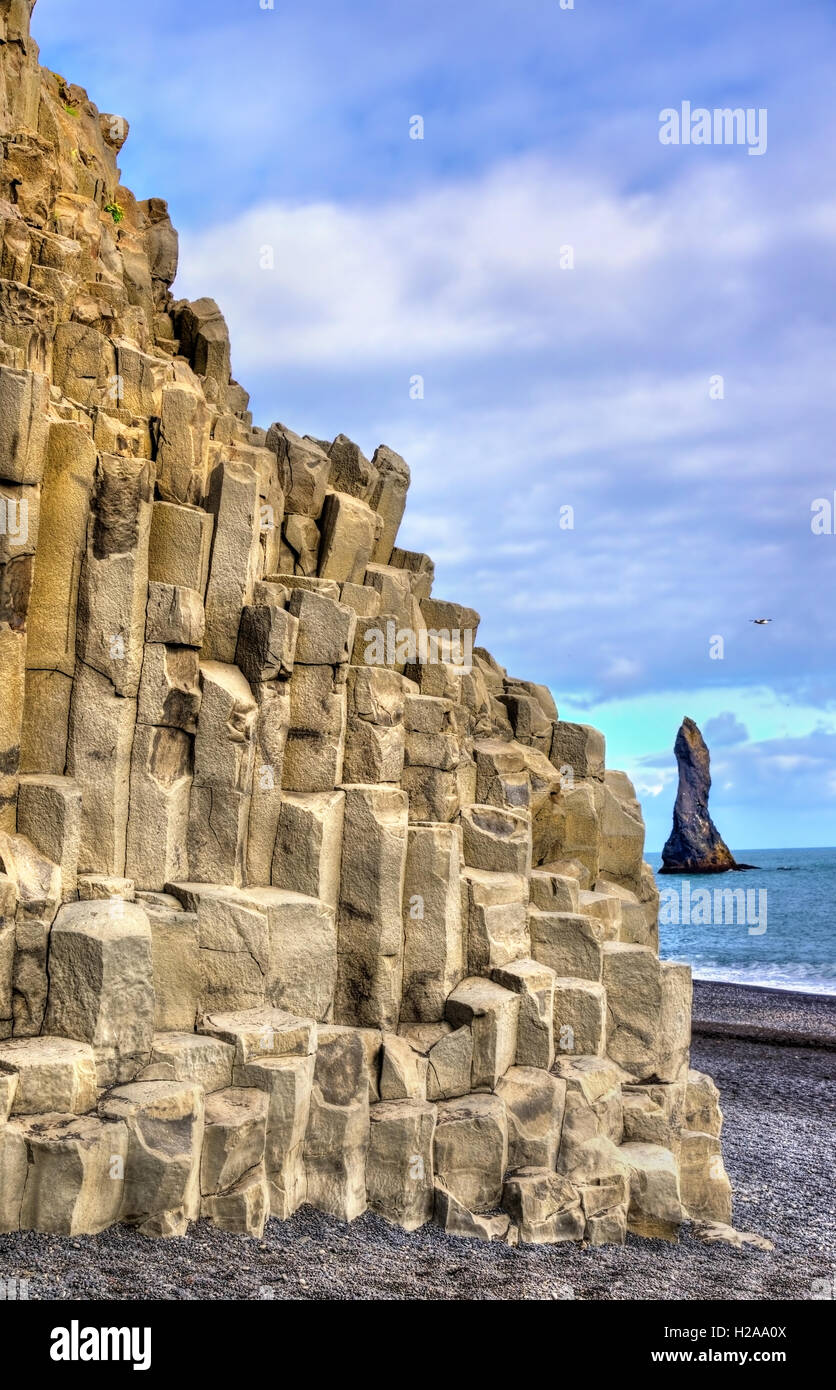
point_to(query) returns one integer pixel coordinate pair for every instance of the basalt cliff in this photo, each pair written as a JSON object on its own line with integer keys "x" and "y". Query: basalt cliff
{"x": 289, "y": 912}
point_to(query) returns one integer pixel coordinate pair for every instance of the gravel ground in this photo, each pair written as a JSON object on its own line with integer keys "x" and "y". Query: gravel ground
{"x": 777, "y": 1100}
{"x": 769, "y": 1015}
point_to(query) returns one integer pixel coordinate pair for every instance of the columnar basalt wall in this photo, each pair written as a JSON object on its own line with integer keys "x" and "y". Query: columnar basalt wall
{"x": 296, "y": 906}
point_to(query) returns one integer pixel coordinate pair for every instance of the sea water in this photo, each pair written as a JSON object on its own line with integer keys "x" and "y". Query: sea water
{"x": 798, "y": 948}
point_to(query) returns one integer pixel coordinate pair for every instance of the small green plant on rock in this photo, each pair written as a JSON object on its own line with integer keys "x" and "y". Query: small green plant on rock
{"x": 116, "y": 211}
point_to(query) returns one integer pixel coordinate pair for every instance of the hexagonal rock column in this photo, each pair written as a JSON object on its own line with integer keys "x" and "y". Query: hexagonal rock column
{"x": 434, "y": 939}
{"x": 337, "y": 1136}
{"x": 370, "y": 924}
{"x": 233, "y": 1183}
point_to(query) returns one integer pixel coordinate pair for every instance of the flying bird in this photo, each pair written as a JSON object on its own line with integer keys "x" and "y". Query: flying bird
{"x": 760, "y": 621}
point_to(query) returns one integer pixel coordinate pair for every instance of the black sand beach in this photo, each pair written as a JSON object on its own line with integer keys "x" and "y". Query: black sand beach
{"x": 778, "y": 1099}
{"x": 765, "y": 1015}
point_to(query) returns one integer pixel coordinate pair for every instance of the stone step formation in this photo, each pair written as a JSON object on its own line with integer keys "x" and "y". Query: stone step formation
{"x": 297, "y": 904}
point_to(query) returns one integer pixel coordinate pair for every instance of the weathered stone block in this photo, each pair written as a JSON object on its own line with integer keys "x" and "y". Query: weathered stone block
{"x": 24, "y": 399}
{"x": 580, "y": 748}
{"x": 370, "y": 924}
{"x": 593, "y": 1121}
{"x": 326, "y": 629}
{"x": 243, "y": 1208}
{"x": 373, "y": 752}
{"x": 302, "y": 967}
{"x": 271, "y": 731}
{"x": 387, "y": 495}
{"x": 455, "y": 1219}
{"x": 449, "y": 1053}
{"x": 655, "y": 1205}
{"x": 471, "y": 1150}
{"x": 337, "y": 1136}
{"x": 114, "y": 579}
{"x": 49, "y": 815}
{"x": 179, "y": 546}
{"x": 175, "y": 955}
{"x": 567, "y": 828}
{"x": 702, "y": 1104}
{"x": 13, "y": 677}
{"x": 403, "y": 1070}
{"x": 164, "y": 1120}
{"x": 158, "y": 825}
{"x": 705, "y": 1187}
{"x": 267, "y": 642}
{"x": 233, "y": 569}
{"x": 313, "y": 759}
{"x": 496, "y": 840}
{"x": 196, "y": 1057}
{"x": 174, "y": 614}
{"x": 234, "y": 955}
{"x": 204, "y": 338}
{"x": 534, "y": 1103}
{"x": 534, "y": 983}
{"x": 32, "y": 896}
{"x": 68, "y": 483}
{"x": 420, "y": 569}
{"x": 570, "y": 943}
{"x": 101, "y": 731}
{"x": 308, "y": 847}
{"x": 306, "y": 466}
{"x": 580, "y": 1016}
{"x": 622, "y": 837}
{"x": 544, "y": 1205}
{"x": 634, "y": 998}
{"x": 501, "y": 775}
{"x": 654, "y": 1114}
{"x": 74, "y": 1165}
{"x": 349, "y": 536}
{"x": 54, "y": 1074}
{"x": 496, "y": 907}
{"x": 491, "y": 1012}
{"x": 553, "y": 892}
{"x": 257, "y": 1034}
{"x": 8, "y": 1088}
{"x": 286, "y": 1083}
{"x": 674, "y": 1022}
{"x": 223, "y": 755}
{"x": 233, "y": 1137}
{"x": 434, "y": 943}
{"x": 101, "y": 986}
{"x": 434, "y": 795}
{"x": 399, "y": 1162}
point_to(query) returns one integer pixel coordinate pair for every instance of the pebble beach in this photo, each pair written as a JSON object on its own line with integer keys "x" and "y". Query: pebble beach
{"x": 773, "y": 1055}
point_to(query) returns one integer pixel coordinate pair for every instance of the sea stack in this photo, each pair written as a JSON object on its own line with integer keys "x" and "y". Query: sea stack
{"x": 695, "y": 845}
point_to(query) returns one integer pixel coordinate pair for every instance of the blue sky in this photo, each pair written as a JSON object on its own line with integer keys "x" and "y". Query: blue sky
{"x": 544, "y": 386}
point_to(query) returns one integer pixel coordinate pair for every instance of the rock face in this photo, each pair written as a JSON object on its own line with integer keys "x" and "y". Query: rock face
{"x": 695, "y": 845}
{"x": 296, "y": 906}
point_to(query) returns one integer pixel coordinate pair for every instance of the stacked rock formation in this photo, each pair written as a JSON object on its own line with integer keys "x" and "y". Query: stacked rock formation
{"x": 288, "y": 913}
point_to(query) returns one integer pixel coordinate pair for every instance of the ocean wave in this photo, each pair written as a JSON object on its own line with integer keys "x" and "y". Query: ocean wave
{"x": 806, "y": 979}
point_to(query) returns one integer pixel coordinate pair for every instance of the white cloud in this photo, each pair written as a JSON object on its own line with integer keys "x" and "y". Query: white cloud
{"x": 473, "y": 267}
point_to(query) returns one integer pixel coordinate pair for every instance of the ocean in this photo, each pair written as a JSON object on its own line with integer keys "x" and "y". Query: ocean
{"x": 792, "y": 894}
